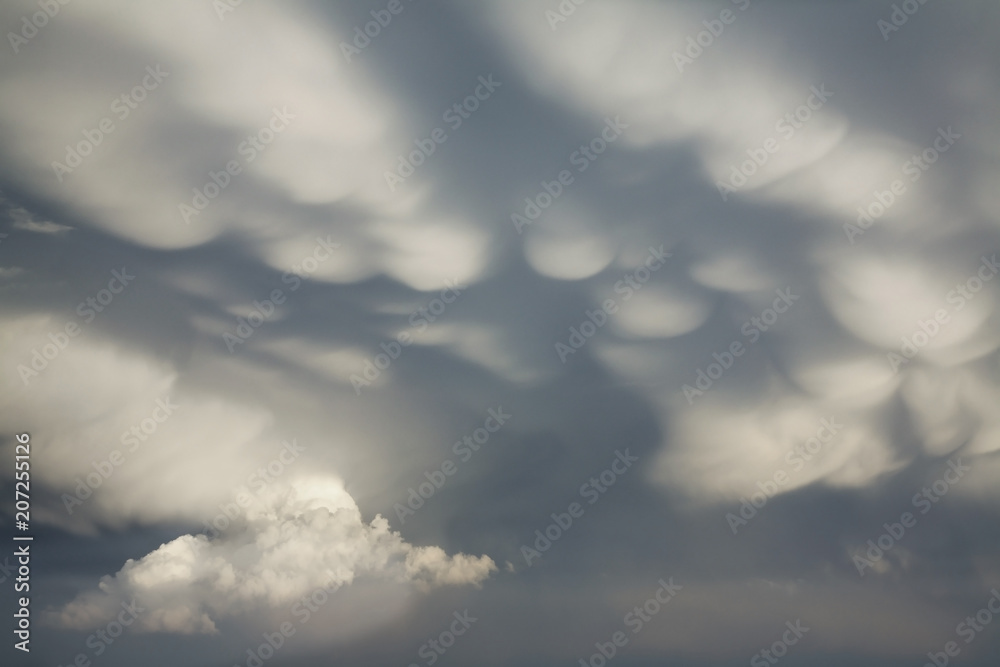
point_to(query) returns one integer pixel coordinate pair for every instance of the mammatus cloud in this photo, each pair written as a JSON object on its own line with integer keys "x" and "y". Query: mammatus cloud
{"x": 307, "y": 536}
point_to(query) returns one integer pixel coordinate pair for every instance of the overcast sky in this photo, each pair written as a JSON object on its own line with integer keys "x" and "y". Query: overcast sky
{"x": 535, "y": 333}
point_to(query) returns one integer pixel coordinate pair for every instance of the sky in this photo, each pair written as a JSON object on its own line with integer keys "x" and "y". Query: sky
{"x": 539, "y": 333}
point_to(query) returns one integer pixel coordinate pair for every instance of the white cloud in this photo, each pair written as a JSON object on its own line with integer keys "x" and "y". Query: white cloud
{"x": 24, "y": 221}
{"x": 304, "y": 536}
{"x": 298, "y": 532}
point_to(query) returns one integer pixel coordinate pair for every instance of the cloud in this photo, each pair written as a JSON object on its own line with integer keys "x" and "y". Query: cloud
{"x": 40, "y": 227}
{"x": 322, "y": 183}
{"x": 24, "y": 220}
{"x": 303, "y": 537}
{"x": 300, "y": 532}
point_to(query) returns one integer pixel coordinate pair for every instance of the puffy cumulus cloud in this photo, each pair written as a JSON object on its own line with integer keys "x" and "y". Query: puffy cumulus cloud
{"x": 303, "y": 536}
{"x": 300, "y": 531}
